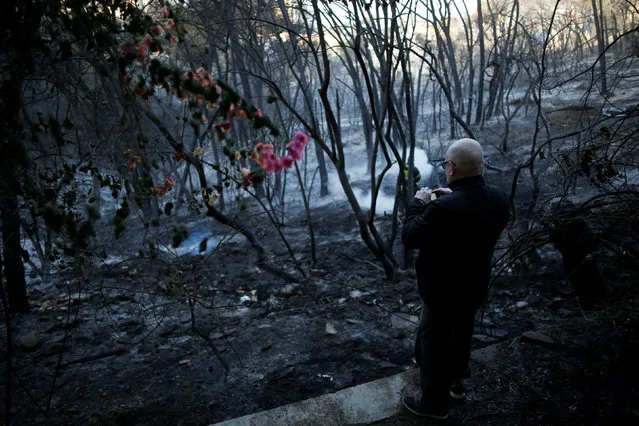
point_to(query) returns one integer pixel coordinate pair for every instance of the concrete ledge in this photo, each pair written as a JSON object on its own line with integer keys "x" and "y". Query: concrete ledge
{"x": 365, "y": 403}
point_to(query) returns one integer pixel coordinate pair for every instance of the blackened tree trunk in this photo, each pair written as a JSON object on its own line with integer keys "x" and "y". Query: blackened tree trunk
{"x": 13, "y": 160}
{"x": 8, "y": 372}
{"x": 598, "y": 16}
{"x": 321, "y": 162}
{"x": 482, "y": 64}
{"x": 11, "y": 249}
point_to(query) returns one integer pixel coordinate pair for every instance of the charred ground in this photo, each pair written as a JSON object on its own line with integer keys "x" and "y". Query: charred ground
{"x": 116, "y": 341}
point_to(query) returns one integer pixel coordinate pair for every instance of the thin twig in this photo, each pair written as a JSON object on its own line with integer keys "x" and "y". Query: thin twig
{"x": 207, "y": 339}
{"x": 365, "y": 261}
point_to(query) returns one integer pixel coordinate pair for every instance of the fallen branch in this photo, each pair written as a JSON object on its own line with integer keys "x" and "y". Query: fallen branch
{"x": 113, "y": 352}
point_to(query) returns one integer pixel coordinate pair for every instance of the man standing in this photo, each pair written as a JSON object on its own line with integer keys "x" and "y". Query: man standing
{"x": 455, "y": 231}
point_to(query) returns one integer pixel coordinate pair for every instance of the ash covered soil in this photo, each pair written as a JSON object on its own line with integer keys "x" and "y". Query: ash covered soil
{"x": 116, "y": 341}
{"x": 120, "y": 345}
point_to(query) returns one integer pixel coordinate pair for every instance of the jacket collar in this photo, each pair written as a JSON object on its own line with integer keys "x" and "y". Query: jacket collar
{"x": 467, "y": 182}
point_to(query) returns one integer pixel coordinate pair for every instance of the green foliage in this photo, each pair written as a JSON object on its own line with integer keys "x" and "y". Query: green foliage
{"x": 143, "y": 140}
{"x": 56, "y": 131}
{"x": 153, "y": 250}
{"x": 258, "y": 176}
{"x": 202, "y": 247}
{"x": 81, "y": 238}
{"x": 179, "y": 235}
{"x": 261, "y": 122}
{"x": 93, "y": 212}
{"x": 120, "y": 216}
{"x": 53, "y": 218}
{"x": 168, "y": 208}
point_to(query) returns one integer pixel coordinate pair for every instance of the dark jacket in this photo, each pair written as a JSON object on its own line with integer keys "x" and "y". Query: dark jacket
{"x": 456, "y": 236}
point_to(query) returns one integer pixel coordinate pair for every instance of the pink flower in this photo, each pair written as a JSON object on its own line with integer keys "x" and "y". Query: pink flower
{"x": 171, "y": 24}
{"x": 142, "y": 51}
{"x": 157, "y": 31}
{"x": 240, "y": 113}
{"x": 188, "y": 75}
{"x": 295, "y": 155}
{"x": 264, "y": 148}
{"x": 147, "y": 40}
{"x": 269, "y": 165}
{"x": 278, "y": 165}
{"x": 201, "y": 72}
{"x": 268, "y": 157}
{"x": 257, "y": 113}
{"x": 174, "y": 40}
{"x": 223, "y": 127}
{"x": 165, "y": 12}
{"x": 300, "y": 137}
{"x": 287, "y": 162}
{"x": 295, "y": 148}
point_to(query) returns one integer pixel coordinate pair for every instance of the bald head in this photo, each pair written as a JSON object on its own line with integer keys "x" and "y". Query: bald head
{"x": 467, "y": 157}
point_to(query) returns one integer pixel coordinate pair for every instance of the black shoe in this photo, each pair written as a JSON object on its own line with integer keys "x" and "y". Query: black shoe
{"x": 423, "y": 410}
{"x": 457, "y": 391}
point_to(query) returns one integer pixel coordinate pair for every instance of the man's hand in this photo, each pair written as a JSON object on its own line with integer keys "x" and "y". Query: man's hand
{"x": 442, "y": 191}
{"x": 424, "y": 194}
{"x": 427, "y": 195}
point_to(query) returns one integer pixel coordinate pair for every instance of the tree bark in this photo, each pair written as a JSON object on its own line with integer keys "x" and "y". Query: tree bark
{"x": 482, "y": 64}
{"x": 13, "y": 160}
{"x": 323, "y": 171}
{"x": 601, "y": 43}
{"x": 8, "y": 372}
{"x": 12, "y": 252}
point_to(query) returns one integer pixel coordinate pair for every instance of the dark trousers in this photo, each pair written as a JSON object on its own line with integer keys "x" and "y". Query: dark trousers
{"x": 442, "y": 350}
